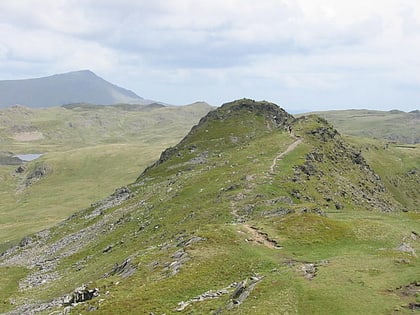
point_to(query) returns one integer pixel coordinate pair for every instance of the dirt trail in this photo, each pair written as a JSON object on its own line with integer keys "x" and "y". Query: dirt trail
{"x": 289, "y": 149}
{"x": 260, "y": 237}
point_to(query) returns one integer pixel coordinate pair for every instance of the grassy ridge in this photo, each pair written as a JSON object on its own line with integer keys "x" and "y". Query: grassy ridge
{"x": 392, "y": 125}
{"x": 208, "y": 213}
{"x": 207, "y": 216}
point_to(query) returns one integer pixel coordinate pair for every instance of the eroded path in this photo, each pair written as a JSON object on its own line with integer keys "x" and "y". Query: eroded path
{"x": 255, "y": 235}
{"x": 289, "y": 149}
{"x": 261, "y": 237}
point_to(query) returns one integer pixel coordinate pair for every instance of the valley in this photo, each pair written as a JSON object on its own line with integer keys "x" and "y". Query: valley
{"x": 87, "y": 150}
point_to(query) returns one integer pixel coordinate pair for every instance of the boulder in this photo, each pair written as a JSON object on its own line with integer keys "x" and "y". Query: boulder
{"x": 79, "y": 295}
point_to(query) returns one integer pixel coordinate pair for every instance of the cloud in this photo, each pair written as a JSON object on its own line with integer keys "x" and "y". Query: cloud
{"x": 164, "y": 48}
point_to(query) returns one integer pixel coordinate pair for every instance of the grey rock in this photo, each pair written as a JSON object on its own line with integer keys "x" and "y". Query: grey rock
{"x": 79, "y": 295}
{"x": 406, "y": 248}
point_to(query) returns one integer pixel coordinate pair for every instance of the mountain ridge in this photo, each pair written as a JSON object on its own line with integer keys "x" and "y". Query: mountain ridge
{"x": 215, "y": 227}
{"x": 394, "y": 125}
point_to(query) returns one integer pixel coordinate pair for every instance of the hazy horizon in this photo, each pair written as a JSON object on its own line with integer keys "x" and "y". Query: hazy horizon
{"x": 301, "y": 54}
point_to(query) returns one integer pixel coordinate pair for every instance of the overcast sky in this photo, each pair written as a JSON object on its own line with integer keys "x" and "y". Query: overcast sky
{"x": 300, "y": 54}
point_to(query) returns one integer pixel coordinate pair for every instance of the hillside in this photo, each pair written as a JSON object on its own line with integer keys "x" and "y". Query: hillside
{"x": 79, "y": 125}
{"x": 86, "y": 152}
{"x": 394, "y": 125}
{"x": 253, "y": 212}
{"x": 66, "y": 88}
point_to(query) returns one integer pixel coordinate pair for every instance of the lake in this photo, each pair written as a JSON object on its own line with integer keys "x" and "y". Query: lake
{"x": 28, "y": 157}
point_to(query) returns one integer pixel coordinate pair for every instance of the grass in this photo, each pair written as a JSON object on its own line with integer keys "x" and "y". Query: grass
{"x": 354, "y": 248}
{"x": 90, "y": 153}
{"x": 89, "y": 174}
{"x": 351, "y": 241}
{"x": 393, "y": 126}
{"x": 9, "y": 286}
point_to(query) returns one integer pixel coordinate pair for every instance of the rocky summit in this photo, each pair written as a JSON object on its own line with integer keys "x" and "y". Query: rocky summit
{"x": 253, "y": 212}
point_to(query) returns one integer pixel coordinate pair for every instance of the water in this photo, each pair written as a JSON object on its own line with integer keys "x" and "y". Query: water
{"x": 28, "y": 157}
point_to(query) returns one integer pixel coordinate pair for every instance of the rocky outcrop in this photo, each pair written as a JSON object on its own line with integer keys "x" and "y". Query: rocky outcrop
{"x": 406, "y": 248}
{"x": 119, "y": 196}
{"x": 208, "y": 295}
{"x": 80, "y": 295}
{"x": 411, "y": 291}
{"x": 308, "y": 270}
{"x": 339, "y": 172}
{"x": 273, "y": 114}
{"x": 239, "y": 292}
{"x": 243, "y": 290}
{"x": 40, "y": 170}
{"x": 125, "y": 269}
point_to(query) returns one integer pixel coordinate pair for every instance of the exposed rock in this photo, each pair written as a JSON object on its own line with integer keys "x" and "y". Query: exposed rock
{"x": 283, "y": 199}
{"x": 35, "y": 308}
{"x": 414, "y": 306}
{"x": 242, "y": 291}
{"x": 313, "y": 210}
{"x": 278, "y": 212}
{"x": 125, "y": 269}
{"x": 275, "y": 115}
{"x": 325, "y": 132}
{"x": 190, "y": 241}
{"x": 309, "y": 270}
{"x": 26, "y": 241}
{"x": 411, "y": 290}
{"x": 199, "y": 159}
{"x": 119, "y": 196}
{"x": 107, "y": 249}
{"x": 357, "y": 158}
{"x": 239, "y": 293}
{"x": 21, "y": 169}
{"x": 406, "y": 248}
{"x": 260, "y": 237}
{"x": 339, "y": 161}
{"x": 42, "y": 258}
{"x": 211, "y": 294}
{"x": 45, "y": 275}
{"x": 40, "y": 171}
{"x": 306, "y": 269}
{"x": 414, "y": 236}
{"x": 79, "y": 295}
{"x": 180, "y": 258}
{"x": 296, "y": 193}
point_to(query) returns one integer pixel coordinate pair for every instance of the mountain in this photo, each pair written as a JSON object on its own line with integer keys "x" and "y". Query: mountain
{"x": 67, "y": 88}
{"x": 394, "y": 125}
{"x": 254, "y": 211}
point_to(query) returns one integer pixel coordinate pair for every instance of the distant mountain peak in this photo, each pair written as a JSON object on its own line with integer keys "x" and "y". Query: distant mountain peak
{"x": 82, "y": 86}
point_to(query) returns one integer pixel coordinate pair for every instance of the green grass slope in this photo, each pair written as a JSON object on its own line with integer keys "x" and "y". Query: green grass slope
{"x": 88, "y": 151}
{"x": 240, "y": 217}
{"x": 394, "y": 125}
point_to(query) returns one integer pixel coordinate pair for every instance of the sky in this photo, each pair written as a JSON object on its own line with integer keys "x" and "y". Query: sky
{"x": 300, "y": 54}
